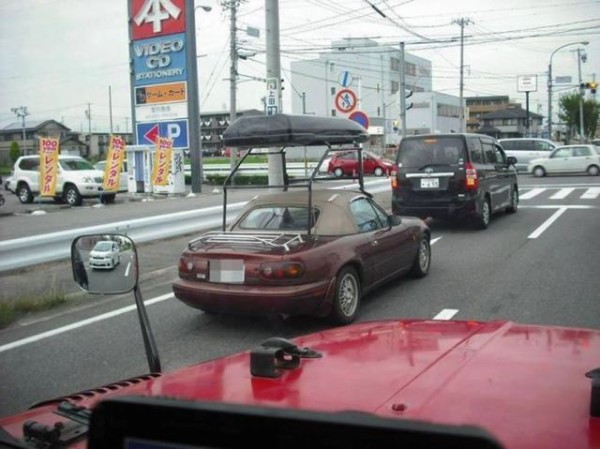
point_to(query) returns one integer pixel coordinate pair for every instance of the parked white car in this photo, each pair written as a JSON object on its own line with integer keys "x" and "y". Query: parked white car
{"x": 123, "y": 178}
{"x": 77, "y": 179}
{"x": 105, "y": 255}
{"x": 568, "y": 159}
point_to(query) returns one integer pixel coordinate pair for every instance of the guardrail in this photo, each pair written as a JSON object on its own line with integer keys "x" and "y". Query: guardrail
{"x": 37, "y": 249}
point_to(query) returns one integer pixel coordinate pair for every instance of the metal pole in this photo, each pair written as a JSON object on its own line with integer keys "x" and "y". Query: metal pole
{"x": 383, "y": 107}
{"x": 581, "y": 93}
{"x": 89, "y": 117}
{"x": 193, "y": 98}
{"x": 550, "y": 98}
{"x": 232, "y": 75}
{"x": 402, "y": 91}
{"x": 276, "y": 175}
{"x": 526, "y": 113}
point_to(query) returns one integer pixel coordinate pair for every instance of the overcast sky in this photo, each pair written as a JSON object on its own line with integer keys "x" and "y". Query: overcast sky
{"x": 56, "y": 56}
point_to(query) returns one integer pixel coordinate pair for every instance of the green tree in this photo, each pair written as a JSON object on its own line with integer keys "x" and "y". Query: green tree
{"x": 569, "y": 114}
{"x": 14, "y": 151}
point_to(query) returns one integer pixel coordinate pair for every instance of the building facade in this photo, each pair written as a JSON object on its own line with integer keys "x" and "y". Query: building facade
{"x": 372, "y": 72}
{"x": 479, "y": 106}
{"x": 511, "y": 122}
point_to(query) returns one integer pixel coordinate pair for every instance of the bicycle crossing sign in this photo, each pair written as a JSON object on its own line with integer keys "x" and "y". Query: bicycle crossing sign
{"x": 345, "y": 101}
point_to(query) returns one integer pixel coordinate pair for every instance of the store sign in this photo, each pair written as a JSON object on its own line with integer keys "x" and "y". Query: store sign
{"x": 527, "y": 83}
{"x": 49, "y": 150}
{"x": 157, "y": 18}
{"x": 159, "y": 112}
{"x": 160, "y": 93}
{"x": 159, "y": 60}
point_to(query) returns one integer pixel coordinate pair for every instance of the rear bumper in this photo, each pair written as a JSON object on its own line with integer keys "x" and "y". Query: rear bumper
{"x": 306, "y": 299}
{"x": 437, "y": 209}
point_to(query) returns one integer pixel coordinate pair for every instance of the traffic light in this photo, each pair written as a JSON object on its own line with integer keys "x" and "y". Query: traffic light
{"x": 592, "y": 86}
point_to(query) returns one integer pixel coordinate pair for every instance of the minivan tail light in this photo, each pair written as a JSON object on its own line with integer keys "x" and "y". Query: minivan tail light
{"x": 471, "y": 179}
{"x": 394, "y": 178}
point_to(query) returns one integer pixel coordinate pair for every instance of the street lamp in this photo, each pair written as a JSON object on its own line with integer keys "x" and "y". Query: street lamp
{"x": 550, "y": 83}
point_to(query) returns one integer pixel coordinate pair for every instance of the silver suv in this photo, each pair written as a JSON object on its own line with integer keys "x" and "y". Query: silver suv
{"x": 526, "y": 149}
{"x": 77, "y": 179}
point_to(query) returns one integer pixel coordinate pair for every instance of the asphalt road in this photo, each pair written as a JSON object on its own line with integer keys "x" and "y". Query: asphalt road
{"x": 537, "y": 266}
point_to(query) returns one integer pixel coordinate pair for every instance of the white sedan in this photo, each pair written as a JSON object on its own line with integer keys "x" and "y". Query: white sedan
{"x": 568, "y": 159}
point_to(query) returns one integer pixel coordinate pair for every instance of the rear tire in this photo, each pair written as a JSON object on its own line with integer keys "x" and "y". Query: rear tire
{"x": 422, "y": 261}
{"x": 72, "y": 196}
{"x": 593, "y": 170}
{"x": 24, "y": 194}
{"x": 483, "y": 215}
{"x": 347, "y": 297}
{"x": 539, "y": 172}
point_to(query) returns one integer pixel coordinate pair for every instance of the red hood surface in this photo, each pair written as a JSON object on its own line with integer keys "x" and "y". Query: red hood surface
{"x": 524, "y": 384}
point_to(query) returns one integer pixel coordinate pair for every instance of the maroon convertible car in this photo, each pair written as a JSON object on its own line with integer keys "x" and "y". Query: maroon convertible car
{"x": 312, "y": 251}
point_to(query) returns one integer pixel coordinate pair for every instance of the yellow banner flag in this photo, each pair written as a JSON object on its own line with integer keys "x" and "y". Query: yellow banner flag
{"x": 114, "y": 164}
{"x": 162, "y": 161}
{"x": 49, "y": 150}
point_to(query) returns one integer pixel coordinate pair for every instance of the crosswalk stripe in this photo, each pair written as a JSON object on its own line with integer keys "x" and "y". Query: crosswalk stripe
{"x": 591, "y": 193}
{"x": 562, "y": 193}
{"x": 531, "y": 194}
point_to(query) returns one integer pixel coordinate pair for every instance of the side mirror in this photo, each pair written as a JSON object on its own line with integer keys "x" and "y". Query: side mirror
{"x": 511, "y": 160}
{"x": 104, "y": 263}
{"x": 394, "y": 220}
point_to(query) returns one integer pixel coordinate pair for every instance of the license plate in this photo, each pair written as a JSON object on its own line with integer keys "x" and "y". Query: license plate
{"x": 430, "y": 183}
{"x": 226, "y": 271}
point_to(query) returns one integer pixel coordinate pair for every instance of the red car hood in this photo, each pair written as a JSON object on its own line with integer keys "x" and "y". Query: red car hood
{"x": 524, "y": 384}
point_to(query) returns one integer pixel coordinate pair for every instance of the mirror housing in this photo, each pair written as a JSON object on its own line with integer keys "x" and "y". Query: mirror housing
{"x": 394, "y": 220}
{"x": 511, "y": 160}
{"x": 105, "y": 263}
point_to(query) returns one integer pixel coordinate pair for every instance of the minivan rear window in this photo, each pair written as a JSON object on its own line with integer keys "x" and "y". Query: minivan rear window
{"x": 431, "y": 150}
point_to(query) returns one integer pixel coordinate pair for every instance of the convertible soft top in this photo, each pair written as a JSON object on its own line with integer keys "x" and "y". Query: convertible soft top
{"x": 293, "y": 130}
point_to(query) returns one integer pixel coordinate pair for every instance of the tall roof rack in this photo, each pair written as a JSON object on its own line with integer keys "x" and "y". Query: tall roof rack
{"x": 284, "y": 131}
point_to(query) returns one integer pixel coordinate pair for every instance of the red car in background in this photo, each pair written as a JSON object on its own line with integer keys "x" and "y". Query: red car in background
{"x": 346, "y": 164}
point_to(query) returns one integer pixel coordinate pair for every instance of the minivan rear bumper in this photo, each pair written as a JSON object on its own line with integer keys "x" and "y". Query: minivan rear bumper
{"x": 457, "y": 207}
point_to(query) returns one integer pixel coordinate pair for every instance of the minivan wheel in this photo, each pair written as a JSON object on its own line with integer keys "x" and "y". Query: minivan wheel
{"x": 346, "y": 301}
{"x": 482, "y": 218}
{"x": 24, "y": 194}
{"x": 338, "y": 172}
{"x": 539, "y": 172}
{"x": 514, "y": 201}
{"x": 378, "y": 171}
{"x": 72, "y": 196}
{"x": 593, "y": 170}
{"x": 422, "y": 261}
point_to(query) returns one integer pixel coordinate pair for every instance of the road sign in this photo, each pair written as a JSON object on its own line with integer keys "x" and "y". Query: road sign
{"x": 345, "y": 101}
{"x": 361, "y": 118}
{"x": 527, "y": 83}
{"x": 345, "y": 78}
{"x": 177, "y": 130}
{"x": 272, "y": 98}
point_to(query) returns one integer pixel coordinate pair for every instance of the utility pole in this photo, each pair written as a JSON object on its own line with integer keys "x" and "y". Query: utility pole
{"x": 402, "y": 91}
{"x": 233, "y": 72}
{"x": 581, "y": 57}
{"x": 21, "y": 111}
{"x": 462, "y": 22}
{"x": 88, "y": 114}
{"x": 276, "y": 175}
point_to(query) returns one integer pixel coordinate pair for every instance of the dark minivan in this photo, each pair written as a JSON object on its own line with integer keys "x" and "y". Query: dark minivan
{"x": 453, "y": 175}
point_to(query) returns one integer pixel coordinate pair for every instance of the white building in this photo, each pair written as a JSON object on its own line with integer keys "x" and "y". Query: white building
{"x": 372, "y": 73}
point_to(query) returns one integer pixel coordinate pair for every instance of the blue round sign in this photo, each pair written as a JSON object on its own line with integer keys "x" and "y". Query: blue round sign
{"x": 361, "y": 118}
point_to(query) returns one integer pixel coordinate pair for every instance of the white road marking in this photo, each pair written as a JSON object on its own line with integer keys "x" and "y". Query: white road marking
{"x": 446, "y": 314}
{"x": 535, "y": 234}
{"x": 591, "y": 193}
{"x": 127, "y": 269}
{"x": 531, "y": 194}
{"x": 79, "y": 324}
{"x": 562, "y": 193}
{"x": 434, "y": 240}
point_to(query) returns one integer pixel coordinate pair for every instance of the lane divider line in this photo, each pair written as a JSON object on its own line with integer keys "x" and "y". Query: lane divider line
{"x": 79, "y": 324}
{"x": 545, "y": 225}
{"x": 446, "y": 314}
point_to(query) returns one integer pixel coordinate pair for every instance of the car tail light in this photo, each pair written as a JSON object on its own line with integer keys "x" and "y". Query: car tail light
{"x": 186, "y": 264}
{"x": 393, "y": 174}
{"x": 471, "y": 180}
{"x": 282, "y": 270}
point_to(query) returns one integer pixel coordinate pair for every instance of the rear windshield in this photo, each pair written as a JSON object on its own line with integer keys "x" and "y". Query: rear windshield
{"x": 426, "y": 151}
{"x": 273, "y": 217}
